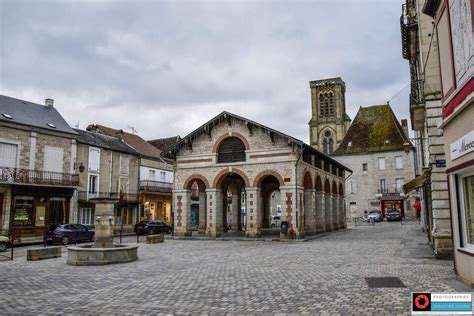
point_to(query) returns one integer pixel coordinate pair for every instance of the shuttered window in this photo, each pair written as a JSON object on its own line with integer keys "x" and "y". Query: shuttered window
{"x": 53, "y": 159}
{"x": 8, "y": 155}
{"x": 123, "y": 164}
{"x": 94, "y": 159}
{"x": 232, "y": 149}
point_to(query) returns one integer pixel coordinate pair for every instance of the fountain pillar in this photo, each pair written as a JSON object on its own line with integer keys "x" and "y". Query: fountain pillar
{"x": 104, "y": 222}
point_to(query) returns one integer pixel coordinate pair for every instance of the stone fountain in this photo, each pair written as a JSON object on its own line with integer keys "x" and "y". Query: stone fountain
{"x": 103, "y": 251}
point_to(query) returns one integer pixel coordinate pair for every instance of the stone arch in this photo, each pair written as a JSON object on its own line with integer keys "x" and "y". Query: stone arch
{"x": 221, "y": 175}
{"x": 318, "y": 184}
{"x": 200, "y": 179}
{"x": 218, "y": 142}
{"x": 334, "y": 187}
{"x": 307, "y": 181}
{"x": 259, "y": 178}
{"x": 341, "y": 189}
{"x": 327, "y": 186}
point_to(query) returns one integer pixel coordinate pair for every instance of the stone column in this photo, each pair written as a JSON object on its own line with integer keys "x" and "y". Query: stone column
{"x": 214, "y": 212}
{"x": 104, "y": 222}
{"x": 182, "y": 215}
{"x": 327, "y": 211}
{"x": 335, "y": 214}
{"x": 202, "y": 213}
{"x": 342, "y": 210}
{"x": 310, "y": 211}
{"x": 319, "y": 212}
{"x": 254, "y": 212}
{"x": 235, "y": 211}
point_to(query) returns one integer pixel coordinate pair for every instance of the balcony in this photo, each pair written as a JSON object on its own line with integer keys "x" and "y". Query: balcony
{"x": 408, "y": 30}
{"x": 417, "y": 105}
{"x": 156, "y": 186}
{"x": 37, "y": 177}
{"x": 122, "y": 197}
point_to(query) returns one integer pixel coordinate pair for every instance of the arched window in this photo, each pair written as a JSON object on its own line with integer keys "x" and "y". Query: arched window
{"x": 231, "y": 149}
{"x": 326, "y": 104}
{"x": 328, "y": 143}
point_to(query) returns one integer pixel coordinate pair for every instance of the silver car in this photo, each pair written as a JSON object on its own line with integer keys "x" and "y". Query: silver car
{"x": 374, "y": 215}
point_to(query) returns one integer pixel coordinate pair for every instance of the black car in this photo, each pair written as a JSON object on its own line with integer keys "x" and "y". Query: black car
{"x": 66, "y": 233}
{"x": 393, "y": 215}
{"x": 4, "y": 243}
{"x": 152, "y": 227}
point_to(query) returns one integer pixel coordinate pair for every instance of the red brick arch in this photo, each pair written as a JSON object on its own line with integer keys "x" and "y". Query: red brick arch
{"x": 341, "y": 189}
{"x": 334, "y": 187}
{"x": 327, "y": 186}
{"x": 196, "y": 177}
{"x": 307, "y": 181}
{"x": 218, "y": 142}
{"x": 318, "y": 184}
{"x": 221, "y": 175}
{"x": 259, "y": 178}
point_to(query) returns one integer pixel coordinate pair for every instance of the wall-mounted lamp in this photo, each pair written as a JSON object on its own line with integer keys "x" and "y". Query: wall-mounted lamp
{"x": 80, "y": 166}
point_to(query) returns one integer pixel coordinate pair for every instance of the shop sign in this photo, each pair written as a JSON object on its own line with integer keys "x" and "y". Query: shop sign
{"x": 390, "y": 194}
{"x": 462, "y": 146}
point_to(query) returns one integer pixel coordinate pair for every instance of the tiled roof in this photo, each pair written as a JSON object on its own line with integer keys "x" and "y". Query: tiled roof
{"x": 374, "y": 129}
{"x": 136, "y": 142}
{"x": 32, "y": 114}
{"x": 164, "y": 143}
{"x": 104, "y": 141}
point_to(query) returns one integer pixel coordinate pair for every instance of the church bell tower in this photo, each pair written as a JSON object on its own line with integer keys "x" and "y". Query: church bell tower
{"x": 329, "y": 121}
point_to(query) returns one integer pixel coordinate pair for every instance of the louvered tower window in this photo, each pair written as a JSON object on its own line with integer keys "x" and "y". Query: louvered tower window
{"x": 231, "y": 149}
{"x": 326, "y": 104}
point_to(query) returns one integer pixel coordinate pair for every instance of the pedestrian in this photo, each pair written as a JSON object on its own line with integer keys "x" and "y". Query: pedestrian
{"x": 417, "y": 207}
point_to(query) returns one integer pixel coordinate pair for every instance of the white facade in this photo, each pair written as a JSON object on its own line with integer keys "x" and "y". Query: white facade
{"x": 154, "y": 174}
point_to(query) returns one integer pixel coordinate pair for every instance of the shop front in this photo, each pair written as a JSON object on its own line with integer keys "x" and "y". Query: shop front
{"x": 392, "y": 201}
{"x": 34, "y": 209}
{"x": 157, "y": 207}
{"x": 459, "y": 143}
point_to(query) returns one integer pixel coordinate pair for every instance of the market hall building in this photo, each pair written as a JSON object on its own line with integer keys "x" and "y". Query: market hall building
{"x": 246, "y": 173}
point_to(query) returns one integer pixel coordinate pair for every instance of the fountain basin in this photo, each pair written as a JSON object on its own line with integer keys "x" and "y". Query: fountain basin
{"x": 89, "y": 255}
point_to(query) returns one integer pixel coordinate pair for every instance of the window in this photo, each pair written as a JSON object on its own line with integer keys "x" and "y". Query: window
{"x": 86, "y": 216}
{"x": 93, "y": 185}
{"x": 326, "y": 104}
{"x": 365, "y": 167}
{"x": 398, "y": 162}
{"x": 467, "y": 213}
{"x": 151, "y": 174}
{"x": 53, "y": 159}
{"x": 231, "y": 149}
{"x": 382, "y": 186}
{"x": 123, "y": 185}
{"x": 123, "y": 164}
{"x": 382, "y": 163}
{"x": 8, "y": 155}
{"x": 328, "y": 146}
{"x": 399, "y": 184}
{"x": 94, "y": 159}
{"x": 162, "y": 176}
{"x": 352, "y": 186}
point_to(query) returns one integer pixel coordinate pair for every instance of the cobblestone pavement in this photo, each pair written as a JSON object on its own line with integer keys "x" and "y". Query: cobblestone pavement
{"x": 321, "y": 276}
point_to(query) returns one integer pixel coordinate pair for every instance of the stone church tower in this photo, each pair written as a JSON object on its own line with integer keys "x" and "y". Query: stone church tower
{"x": 329, "y": 121}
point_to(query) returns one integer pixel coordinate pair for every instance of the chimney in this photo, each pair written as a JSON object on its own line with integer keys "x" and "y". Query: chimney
{"x": 405, "y": 127}
{"x": 49, "y": 102}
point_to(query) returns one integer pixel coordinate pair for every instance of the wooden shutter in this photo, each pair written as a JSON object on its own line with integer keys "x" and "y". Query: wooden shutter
{"x": 231, "y": 150}
{"x": 8, "y": 155}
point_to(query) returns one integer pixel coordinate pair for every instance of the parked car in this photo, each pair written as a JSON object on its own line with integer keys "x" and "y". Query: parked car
{"x": 375, "y": 215}
{"x": 4, "y": 243}
{"x": 67, "y": 233}
{"x": 393, "y": 215}
{"x": 152, "y": 227}
{"x": 276, "y": 221}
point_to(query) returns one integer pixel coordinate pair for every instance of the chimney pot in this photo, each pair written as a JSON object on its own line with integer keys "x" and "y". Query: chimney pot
{"x": 49, "y": 102}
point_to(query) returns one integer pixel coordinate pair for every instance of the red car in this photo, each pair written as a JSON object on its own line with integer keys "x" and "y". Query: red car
{"x": 67, "y": 233}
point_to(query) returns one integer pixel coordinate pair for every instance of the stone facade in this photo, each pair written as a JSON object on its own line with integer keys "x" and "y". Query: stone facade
{"x": 270, "y": 164}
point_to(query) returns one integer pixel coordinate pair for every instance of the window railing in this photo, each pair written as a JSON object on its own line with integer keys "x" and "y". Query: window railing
{"x": 156, "y": 186}
{"x": 27, "y": 176}
{"x": 122, "y": 197}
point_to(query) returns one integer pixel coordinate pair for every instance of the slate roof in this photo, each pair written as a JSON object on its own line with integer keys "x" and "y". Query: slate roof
{"x": 104, "y": 141}
{"x": 374, "y": 129}
{"x": 32, "y": 114}
{"x": 140, "y": 145}
{"x": 224, "y": 116}
{"x": 164, "y": 143}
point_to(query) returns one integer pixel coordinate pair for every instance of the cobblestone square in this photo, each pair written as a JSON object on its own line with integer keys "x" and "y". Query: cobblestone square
{"x": 321, "y": 276}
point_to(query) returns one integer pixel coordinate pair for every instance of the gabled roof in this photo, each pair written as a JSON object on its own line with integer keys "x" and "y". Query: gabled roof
{"x": 32, "y": 114}
{"x": 374, "y": 129}
{"x": 104, "y": 141}
{"x": 164, "y": 143}
{"x": 136, "y": 142}
{"x": 224, "y": 116}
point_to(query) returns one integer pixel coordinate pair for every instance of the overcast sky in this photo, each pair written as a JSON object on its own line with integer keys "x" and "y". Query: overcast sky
{"x": 166, "y": 67}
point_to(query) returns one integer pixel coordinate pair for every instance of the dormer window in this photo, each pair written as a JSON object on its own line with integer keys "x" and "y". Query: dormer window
{"x": 232, "y": 149}
{"x": 51, "y": 125}
{"x": 8, "y": 116}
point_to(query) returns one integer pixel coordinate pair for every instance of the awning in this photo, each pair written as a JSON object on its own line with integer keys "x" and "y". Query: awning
{"x": 416, "y": 183}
